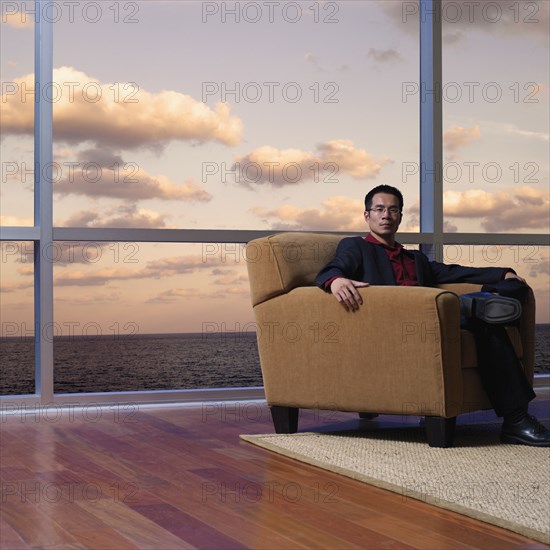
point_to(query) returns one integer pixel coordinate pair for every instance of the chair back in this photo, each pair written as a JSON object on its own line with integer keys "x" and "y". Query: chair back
{"x": 281, "y": 262}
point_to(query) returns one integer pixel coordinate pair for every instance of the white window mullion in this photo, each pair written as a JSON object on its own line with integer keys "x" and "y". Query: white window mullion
{"x": 431, "y": 136}
{"x": 43, "y": 208}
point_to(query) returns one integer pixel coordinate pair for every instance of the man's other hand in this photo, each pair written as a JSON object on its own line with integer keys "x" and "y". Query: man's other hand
{"x": 345, "y": 292}
{"x": 512, "y": 275}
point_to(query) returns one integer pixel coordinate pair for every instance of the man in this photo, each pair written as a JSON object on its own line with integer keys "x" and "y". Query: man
{"x": 378, "y": 259}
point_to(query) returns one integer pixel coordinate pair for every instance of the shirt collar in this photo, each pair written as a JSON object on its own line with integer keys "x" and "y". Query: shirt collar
{"x": 371, "y": 239}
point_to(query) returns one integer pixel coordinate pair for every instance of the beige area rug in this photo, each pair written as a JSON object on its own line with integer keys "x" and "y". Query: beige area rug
{"x": 506, "y": 485}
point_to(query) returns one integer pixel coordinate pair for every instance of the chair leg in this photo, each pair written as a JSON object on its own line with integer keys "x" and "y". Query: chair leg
{"x": 285, "y": 419}
{"x": 440, "y": 431}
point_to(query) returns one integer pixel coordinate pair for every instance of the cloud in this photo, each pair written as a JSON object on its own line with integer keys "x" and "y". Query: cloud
{"x": 356, "y": 162}
{"x": 384, "y": 56}
{"x": 180, "y": 265}
{"x": 514, "y": 130}
{"x": 98, "y": 277}
{"x": 310, "y": 58}
{"x": 100, "y": 173}
{"x": 156, "y": 269}
{"x": 450, "y": 38}
{"x": 209, "y": 263}
{"x": 126, "y": 215}
{"x": 230, "y": 291}
{"x": 174, "y": 295}
{"x": 291, "y": 166}
{"x": 458, "y": 136}
{"x": 280, "y": 167}
{"x": 91, "y": 299}
{"x": 10, "y": 287}
{"x": 14, "y": 221}
{"x": 503, "y": 18}
{"x": 523, "y": 208}
{"x": 221, "y": 271}
{"x": 411, "y": 222}
{"x": 314, "y": 61}
{"x": 229, "y": 278}
{"x": 26, "y": 271}
{"x": 448, "y": 227}
{"x": 180, "y": 294}
{"x": 472, "y": 203}
{"x": 17, "y": 19}
{"x": 337, "y": 214}
{"x": 540, "y": 266}
{"x": 117, "y": 114}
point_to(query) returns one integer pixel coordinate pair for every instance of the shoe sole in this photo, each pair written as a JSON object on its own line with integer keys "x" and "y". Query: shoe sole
{"x": 495, "y": 310}
{"x": 513, "y": 440}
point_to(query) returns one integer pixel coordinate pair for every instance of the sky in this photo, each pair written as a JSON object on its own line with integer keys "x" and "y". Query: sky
{"x": 250, "y": 115}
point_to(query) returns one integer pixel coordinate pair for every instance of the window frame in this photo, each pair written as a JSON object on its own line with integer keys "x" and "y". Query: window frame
{"x": 431, "y": 237}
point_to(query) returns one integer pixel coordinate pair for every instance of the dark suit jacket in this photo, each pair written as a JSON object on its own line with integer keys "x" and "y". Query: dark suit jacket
{"x": 361, "y": 260}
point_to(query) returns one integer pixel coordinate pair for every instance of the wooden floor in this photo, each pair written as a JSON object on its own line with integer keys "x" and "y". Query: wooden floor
{"x": 170, "y": 478}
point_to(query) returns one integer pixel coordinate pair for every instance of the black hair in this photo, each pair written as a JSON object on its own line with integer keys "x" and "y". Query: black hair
{"x": 383, "y": 189}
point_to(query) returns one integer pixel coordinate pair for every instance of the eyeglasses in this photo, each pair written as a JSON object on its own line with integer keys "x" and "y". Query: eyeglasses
{"x": 392, "y": 210}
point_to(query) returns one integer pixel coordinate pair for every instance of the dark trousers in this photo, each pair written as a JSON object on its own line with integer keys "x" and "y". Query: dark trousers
{"x": 502, "y": 375}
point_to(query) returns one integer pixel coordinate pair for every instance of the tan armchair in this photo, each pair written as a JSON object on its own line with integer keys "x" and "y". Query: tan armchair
{"x": 402, "y": 353}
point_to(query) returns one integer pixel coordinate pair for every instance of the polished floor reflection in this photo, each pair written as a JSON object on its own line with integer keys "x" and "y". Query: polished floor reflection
{"x": 180, "y": 477}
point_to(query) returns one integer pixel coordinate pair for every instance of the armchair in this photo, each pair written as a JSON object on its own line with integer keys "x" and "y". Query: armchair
{"x": 402, "y": 353}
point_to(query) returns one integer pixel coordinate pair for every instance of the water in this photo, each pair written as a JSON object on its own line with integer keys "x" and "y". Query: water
{"x": 156, "y": 362}
{"x": 140, "y": 362}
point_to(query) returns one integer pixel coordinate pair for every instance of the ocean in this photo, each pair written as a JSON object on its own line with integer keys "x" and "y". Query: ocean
{"x": 156, "y": 362}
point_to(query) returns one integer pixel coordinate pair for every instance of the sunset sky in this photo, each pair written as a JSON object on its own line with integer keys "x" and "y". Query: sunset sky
{"x": 176, "y": 115}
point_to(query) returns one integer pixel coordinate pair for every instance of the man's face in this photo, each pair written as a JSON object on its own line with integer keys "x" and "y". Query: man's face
{"x": 383, "y": 223}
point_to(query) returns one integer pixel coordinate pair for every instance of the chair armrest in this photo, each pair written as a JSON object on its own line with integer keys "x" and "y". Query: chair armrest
{"x": 400, "y": 351}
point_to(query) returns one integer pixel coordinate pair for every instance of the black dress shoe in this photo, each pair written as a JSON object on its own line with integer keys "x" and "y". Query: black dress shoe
{"x": 490, "y": 308}
{"x": 528, "y": 431}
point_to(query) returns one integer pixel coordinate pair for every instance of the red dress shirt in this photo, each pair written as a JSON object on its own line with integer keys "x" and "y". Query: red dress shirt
{"x": 402, "y": 263}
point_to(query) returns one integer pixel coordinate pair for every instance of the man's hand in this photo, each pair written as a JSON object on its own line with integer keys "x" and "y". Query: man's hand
{"x": 344, "y": 291}
{"x": 511, "y": 275}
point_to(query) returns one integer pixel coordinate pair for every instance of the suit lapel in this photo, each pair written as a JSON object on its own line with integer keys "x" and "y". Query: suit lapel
{"x": 383, "y": 272}
{"x": 419, "y": 269}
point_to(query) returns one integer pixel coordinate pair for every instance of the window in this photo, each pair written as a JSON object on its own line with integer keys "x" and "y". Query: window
{"x": 191, "y": 128}
{"x": 17, "y": 122}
